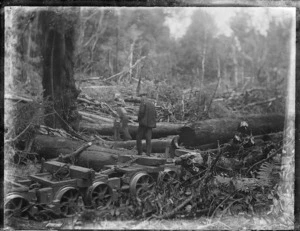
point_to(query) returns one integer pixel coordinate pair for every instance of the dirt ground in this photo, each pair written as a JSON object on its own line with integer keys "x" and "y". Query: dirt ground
{"x": 239, "y": 222}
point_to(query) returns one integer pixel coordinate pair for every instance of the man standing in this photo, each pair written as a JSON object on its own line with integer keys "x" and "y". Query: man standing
{"x": 147, "y": 121}
{"x": 121, "y": 124}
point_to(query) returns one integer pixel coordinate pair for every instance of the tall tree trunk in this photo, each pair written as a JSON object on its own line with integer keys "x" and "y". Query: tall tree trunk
{"x": 117, "y": 42}
{"x": 216, "y": 89}
{"x": 131, "y": 60}
{"x": 203, "y": 61}
{"x": 110, "y": 62}
{"x": 287, "y": 181}
{"x": 243, "y": 72}
{"x": 138, "y": 87}
{"x": 28, "y": 79}
{"x": 57, "y": 48}
{"x": 235, "y": 67}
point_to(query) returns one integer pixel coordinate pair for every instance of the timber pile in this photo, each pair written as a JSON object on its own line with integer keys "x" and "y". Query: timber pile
{"x": 203, "y": 134}
{"x": 98, "y": 122}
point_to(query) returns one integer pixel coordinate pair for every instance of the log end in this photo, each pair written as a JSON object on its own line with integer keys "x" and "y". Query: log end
{"x": 187, "y": 136}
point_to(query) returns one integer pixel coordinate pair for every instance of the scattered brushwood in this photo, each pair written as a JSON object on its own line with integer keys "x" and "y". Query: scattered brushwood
{"x": 209, "y": 184}
{"x": 205, "y": 188}
{"x": 94, "y": 111}
{"x": 210, "y": 190}
{"x": 257, "y": 100}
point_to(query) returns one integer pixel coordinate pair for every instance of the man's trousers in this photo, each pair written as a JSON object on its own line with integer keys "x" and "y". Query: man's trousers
{"x": 142, "y": 132}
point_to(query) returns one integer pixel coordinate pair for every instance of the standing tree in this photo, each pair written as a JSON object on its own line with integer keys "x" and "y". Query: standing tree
{"x": 57, "y": 43}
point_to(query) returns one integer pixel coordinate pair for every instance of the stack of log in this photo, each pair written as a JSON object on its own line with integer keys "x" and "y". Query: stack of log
{"x": 202, "y": 134}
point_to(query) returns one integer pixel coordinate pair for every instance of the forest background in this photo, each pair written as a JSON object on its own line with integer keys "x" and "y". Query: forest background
{"x": 183, "y": 56}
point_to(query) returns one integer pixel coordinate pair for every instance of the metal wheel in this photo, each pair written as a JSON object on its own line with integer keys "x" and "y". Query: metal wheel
{"x": 168, "y": 176}
{"x": 68, "y": 198}
{"x": 16, "y": 206}
{"x": 100, "y": 195}
{"x": 141, "y": 185}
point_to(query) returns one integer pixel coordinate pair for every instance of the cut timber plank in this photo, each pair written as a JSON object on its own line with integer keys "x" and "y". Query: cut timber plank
{"x": 143, "y": 160}
{"x": 46, "y": 181}
{"x": 75, "y": 171}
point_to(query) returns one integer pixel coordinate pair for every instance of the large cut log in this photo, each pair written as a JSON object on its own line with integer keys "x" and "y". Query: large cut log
{"x": 133, "y": 99}
{"x": 209, "y": 131}
{"x": 94, "y": 156}
{"x": 162, "y": 129}
{"x": 275, "y": 137}
{"x": 98, "y": 118}
{"x": 158, "y": 145}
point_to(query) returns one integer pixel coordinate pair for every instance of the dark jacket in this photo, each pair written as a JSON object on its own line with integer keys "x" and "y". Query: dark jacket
{"x": 147, "y": 114}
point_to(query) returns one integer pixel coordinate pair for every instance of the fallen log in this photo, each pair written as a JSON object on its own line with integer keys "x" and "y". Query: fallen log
{"x": 162, "y": 129}
{"x": 158, "y": 145}
{"x": 88, "y": 101}
{"x": 105, "y": 129}
{"x": 95, "y": 157}
{"x": 133, "y": 99}
{"x": 208, "y": 131}
{"x": 275, "y": 137}
{"x": 96, "y": 117}
{"x": 89, "y": 119}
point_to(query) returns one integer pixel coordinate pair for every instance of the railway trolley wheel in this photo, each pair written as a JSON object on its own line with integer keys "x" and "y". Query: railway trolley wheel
{"x": 168, "y": 176}
{"x": 68, "y": 198}
{"x": 100, "y": 195}
{"x": 16, "y": 206}
{"x": 141, "y": 185}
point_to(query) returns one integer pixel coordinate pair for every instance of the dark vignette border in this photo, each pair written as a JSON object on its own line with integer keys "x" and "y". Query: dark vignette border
{"x": 157, "y": 3}
{"x": 297, "y": 123}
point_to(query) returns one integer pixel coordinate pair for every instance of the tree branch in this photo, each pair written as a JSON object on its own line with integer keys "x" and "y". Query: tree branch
{"x": 124, "y": 71}
{"x": 14, "y": 139}
{"x": 74, "y": 155}
{"x": 18, "y": 98}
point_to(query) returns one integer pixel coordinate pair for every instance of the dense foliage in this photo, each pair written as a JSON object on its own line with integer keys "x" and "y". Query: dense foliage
{"x": 112, "y": 40}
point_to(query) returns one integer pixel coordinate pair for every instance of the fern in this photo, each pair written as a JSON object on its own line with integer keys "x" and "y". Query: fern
{"x": 223, "y": 180}
{"x": 267, "y": 174}
{"x": 245, "y": 184}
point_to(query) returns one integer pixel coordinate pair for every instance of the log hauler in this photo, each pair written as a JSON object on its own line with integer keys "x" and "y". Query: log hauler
{"x": 147, "y": 121}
